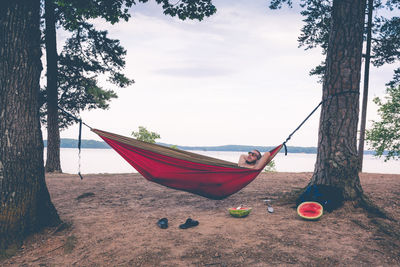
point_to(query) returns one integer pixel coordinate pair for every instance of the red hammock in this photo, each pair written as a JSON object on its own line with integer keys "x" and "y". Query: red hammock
{"x": 183, "y": 170}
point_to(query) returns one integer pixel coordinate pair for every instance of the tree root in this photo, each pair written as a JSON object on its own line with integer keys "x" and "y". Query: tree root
{"x": 362, "y": 201}
{"x": 384, "y": 222}
{"x": 372, "y": 209}
{"x": 387, "y": 228}
{"x": 61, "y": 227}
{"x": 290, "y": 197}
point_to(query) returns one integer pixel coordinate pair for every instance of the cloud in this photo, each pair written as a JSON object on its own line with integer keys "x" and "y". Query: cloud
{"x": 197, "y": 82}
{"x": 194, "y": 72}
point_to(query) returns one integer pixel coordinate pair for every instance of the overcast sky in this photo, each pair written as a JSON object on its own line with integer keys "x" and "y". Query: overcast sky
{"x": 237, "y": 77}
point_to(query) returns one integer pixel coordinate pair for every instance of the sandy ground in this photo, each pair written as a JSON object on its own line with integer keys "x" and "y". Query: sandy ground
{"x": 115, "y": 225}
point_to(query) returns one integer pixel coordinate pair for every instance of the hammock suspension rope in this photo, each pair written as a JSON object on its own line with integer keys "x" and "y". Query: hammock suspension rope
{"x": 312, "y": 112}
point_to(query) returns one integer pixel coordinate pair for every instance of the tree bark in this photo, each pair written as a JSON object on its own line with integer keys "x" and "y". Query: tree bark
{"x": 53, "y": 131}
{"x": 25, "y": 205}
{"x": 337, "y": 161}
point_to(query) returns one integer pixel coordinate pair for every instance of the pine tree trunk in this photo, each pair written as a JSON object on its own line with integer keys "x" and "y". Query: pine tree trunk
{"x": 53, "y": 132}
{"x": 25, "y": 205}
{"x": 366, "y": 85}
{"x": 337, "y": 162}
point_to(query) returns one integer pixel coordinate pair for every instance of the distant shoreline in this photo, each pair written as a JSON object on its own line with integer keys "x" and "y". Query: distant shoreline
{"x": 93, "y": 144}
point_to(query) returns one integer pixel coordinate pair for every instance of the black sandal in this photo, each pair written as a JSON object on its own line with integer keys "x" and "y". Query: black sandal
{"x": 189, "y": 223}
{"x": 163, "y": 223}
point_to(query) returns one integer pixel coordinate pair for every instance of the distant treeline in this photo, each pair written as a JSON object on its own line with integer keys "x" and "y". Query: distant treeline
{"x": 73, "y": 143}
{"x": 244, "y": 148}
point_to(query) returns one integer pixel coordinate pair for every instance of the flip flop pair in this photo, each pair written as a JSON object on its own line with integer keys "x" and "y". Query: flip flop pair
{"x": 163, "y": 223}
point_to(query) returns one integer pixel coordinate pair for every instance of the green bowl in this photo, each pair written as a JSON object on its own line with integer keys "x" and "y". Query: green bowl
{"x": 239, "y": 212}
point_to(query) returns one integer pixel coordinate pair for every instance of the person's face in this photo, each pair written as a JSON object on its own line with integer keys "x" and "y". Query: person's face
{"x": 252, "y": 156}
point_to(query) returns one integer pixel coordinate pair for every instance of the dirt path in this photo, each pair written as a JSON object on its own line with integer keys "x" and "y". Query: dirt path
{"x": 114, "y": 224}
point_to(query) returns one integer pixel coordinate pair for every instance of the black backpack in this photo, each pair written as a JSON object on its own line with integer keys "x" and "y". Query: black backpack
{"x": 329, "y": 197}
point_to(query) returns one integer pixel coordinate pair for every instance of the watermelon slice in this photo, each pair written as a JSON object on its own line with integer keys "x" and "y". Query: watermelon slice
{"x": 239, "y": 211}
{"x": 310, "y": 210}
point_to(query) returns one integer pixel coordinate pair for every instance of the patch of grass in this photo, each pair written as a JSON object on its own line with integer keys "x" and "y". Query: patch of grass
{"x": 70, "y": 244}
{"x": 271, "y": 167}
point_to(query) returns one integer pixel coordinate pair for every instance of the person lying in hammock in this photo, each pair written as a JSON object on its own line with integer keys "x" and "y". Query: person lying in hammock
{"x": 253, "y": 160}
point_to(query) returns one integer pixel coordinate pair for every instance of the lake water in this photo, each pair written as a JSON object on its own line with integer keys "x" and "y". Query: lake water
{"x": 108, "y": 161}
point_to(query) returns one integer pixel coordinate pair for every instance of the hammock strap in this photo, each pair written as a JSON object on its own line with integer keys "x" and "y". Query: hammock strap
{"x": 80, "y": 137}
{"x": 79, "y": 148}
{"x": 312, "y": 112}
